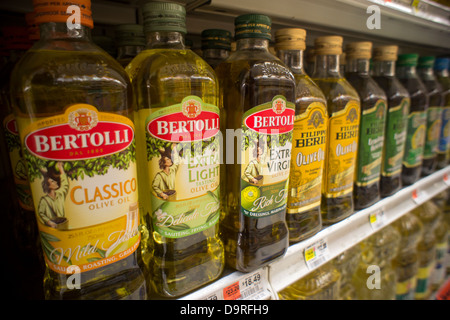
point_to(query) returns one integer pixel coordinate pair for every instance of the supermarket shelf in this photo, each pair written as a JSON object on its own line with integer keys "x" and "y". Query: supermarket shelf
{"x": 337, "y": 238}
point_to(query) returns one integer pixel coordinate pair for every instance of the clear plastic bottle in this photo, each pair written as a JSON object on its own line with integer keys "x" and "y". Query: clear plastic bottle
{"x": 255, "y": 85}
{"x": 67, "y": 97}
{"x": 346, "y": 263}
{"x": 406, "y": 262}
{"x": 175, "y": 88}
{"x": 216, "y": 46}
{"x": 441, "y": 66}
{"x": 343, "y": 128}
{"x": 366, "y": 190}
{"x": 441, "y": 233}
{"x": 398, "y": 102}
{"x": 434, "y": 113}
{"x": 417, "y": 118}
{"x": 308, "y": 147}
{"x": 130, "y": 40}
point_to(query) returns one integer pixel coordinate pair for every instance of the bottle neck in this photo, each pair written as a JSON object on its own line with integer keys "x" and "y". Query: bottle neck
{"x": 442, "y": 73}
{"x": 165, "y": 40}
{"x": 252, "y": 44}
{"x": 384, "y": 68}
{"x": 406, "y": 71}
{"x": 293, "y": 59}
{"x": 128, "y": 51}
{"x": 214, "y": 53}
{"x": 360, "y": 66}
{"x": 327, "y": 66}
{"x": 426, "y": 73}
{"x": 60, "y": 31}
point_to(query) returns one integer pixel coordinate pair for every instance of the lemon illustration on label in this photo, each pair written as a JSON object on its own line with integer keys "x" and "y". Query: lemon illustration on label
{"x": 249, "y": 195}
{"x": 120, "y": 246}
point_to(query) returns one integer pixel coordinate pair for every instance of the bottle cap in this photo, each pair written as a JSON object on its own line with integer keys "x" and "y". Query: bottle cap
{"x": 328, "y": 45}
{"x": 290, "y": 39}
{"x": 426, "y": 62}
{"x": 385, "y": 53}
{"x": 56, "y": 11}
{"x": 216, "y": 39}
{"x": 252, "y": 26}
{"x": 129, "y": 35}
{"x": 359, "y": 50}
{"x": 441, "y": 64}
{"x": 164, "y": 16}
{"x": 408, "y": 60}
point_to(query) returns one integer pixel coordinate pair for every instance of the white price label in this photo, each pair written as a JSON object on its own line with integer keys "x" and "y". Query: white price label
{"x": 316, "y": 254}
{"x": 377, "y": 219}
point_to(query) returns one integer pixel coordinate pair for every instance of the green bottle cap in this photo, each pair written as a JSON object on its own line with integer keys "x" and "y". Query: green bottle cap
{"x": 129, "y": 35}
{"x": 408, "y": 60}
{"x": 426, "y": 61}
{"x": 216, "y": 39}
{"x": 164, "y": 16}
{"x": 253, "y": 26}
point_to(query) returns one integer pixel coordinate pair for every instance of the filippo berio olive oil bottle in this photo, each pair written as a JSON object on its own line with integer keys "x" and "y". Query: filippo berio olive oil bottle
{"x": 72, "y": 104}
{"x": 434, "y": 113}
{"x": 417, "y": 117}
{"x": 178, "y": 126}
{"x": 384, "y": 60}
{"x": 441, "y": 66}
{"x": 343, "y": 106}
{"x": 308, "y": 142}
{"x": 258, "y": 96}
{"x": 366, "y": 190}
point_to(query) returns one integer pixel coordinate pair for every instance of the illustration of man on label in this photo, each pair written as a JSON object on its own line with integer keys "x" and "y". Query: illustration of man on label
{"x": 51, "y": 206}
{"x": 164, "y": 181}
{"x": 253, "y": 173}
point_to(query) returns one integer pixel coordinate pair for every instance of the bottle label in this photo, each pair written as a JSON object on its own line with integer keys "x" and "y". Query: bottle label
{"x": 396, "y": 126}
{"x": 266, "y": 157}
{"x": 423, "y": 281}
{"x": 308, "y": 155}
{"x": 444, "y": 135}
{"x": 18, "y": 164}
{"x": 405, "y": 289}
{"x": 371, "y": 141}
{"x": 434, "y": 121}
{"x": 415, "y": 139}
{"x": 343, "y": 131}
{"x": 82, "y": 173}
{"x": 183, "y": 155}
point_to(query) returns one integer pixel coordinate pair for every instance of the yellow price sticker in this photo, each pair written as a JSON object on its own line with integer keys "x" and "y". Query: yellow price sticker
{"x": 310, "y": 254}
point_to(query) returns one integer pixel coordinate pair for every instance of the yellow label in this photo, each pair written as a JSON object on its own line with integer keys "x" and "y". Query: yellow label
{"x": 343, "y": 130}
{"x": 308, "y": 155}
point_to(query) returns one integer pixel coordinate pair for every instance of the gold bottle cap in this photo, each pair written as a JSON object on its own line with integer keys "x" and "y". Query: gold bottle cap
{"x": 385, "y": 53}
{"x": 328, "y": 45}
{"x": 359, "y": 50}
{"x": 290, "y": 39}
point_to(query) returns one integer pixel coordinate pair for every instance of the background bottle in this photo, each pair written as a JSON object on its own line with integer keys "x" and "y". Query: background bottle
{"x": 253, "y": 82}
{"x": 398, "y": 102}
{"x": 347, "y": 263}
{"x": 441, "y": 66}
{"x": 130, "y": 40}
{"x": 417, "y": 118}
{"x": 173, "y": 85}
{"x": 366, "y": 190}
{"x": 441, "y": 233}
{"x": 434, "y": 113}
{"x": 308, "y": 147}
{"x": 216, "y": 46}
{"x": 343, "y": 127}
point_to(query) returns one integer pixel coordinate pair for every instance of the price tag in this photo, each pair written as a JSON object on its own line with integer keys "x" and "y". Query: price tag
{"x": 232, "y": 292}
{"x": 377, "y": 219}
{"x": 316, "y": 254}
{"x": 419, "y": 196}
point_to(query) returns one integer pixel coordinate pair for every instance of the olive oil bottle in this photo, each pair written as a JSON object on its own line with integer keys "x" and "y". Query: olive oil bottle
{"x": 417, "y": 118}
{"x": 255, "y": 87}
{"x": 398, "y": 102}
{"x": 434, "y": 113}
{"x": 216, "y": 46}
{"x": 72, "y": 104}
{"x": 343, "y": 106}
{"x": 130, "y": 40}
{"x": 441, "y": 233}
{"x": 406, "y": 262}
{"x": 441, "y": 67}
{"x": 178, "y": 150}
{"x": 308, "y": 142}
{"x": 366, "y": 190}
{"x": 346, "y": 263}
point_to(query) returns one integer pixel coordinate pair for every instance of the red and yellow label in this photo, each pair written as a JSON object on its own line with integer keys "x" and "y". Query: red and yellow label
{"x": 82, "y": 173}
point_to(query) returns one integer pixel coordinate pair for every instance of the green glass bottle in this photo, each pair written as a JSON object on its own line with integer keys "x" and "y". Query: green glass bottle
{"x": 255, "y": 87}
{"x": 178, "y": 151}
{"x": 366, "y": 190}
{"x": 308, "y": 147}
{"x": 216, "y": 46}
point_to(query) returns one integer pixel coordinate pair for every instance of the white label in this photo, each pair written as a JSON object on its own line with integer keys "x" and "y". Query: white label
{"x": 316, "y": 254}
{"x": 377, "y": 219}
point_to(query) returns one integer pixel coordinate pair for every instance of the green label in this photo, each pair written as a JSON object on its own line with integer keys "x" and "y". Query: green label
{"x": 434, "y": 122}
{"x": 394, "y": 140}
{"x": 265, "y": 157}
{"x": 183, "y": 155}
{"x": 415, "y": 139}
{"x": 371, "y": 140}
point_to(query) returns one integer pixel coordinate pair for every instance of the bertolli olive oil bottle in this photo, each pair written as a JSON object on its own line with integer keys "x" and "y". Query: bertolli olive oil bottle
{"x": 258, "y": 96}
{"x": 72, "y": 104}
{"x": 343, "y": 106}
{"x": 178, "y": 125}
{"x": 308, "y": 142}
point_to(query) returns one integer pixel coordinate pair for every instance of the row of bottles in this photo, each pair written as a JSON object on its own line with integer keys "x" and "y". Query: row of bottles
{"x": 151, "y": 171}
{"x": 403, "y": 261}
